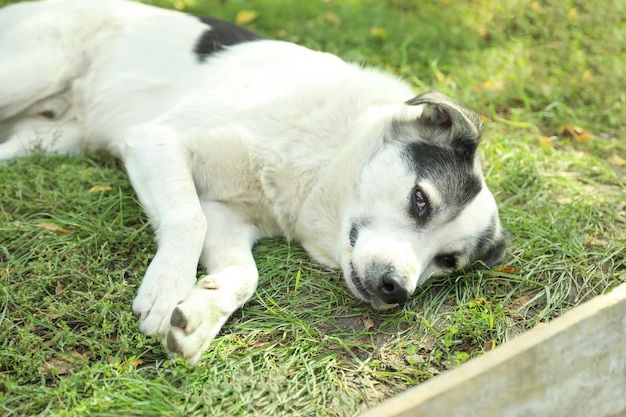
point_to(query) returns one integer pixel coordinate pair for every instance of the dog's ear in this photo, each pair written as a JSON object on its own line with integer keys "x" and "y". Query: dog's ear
{"x": 445, "y": 119}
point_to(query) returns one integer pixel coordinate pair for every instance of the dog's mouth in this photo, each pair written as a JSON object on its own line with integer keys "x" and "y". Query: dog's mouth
{"x": 359, "y": 285}
{"x": 360, "y": 289}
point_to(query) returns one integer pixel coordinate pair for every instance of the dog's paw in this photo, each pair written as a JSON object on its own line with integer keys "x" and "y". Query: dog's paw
{"x": 155, "y": 301}
{"x": 195, "y": 322}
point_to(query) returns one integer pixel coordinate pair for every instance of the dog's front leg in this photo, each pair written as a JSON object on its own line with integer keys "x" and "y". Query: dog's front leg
{"x": 160, "y": 171}
{"x": 232, "y": 280}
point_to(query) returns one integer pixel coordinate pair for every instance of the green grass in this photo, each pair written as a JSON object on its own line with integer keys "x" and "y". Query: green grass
{"x": 69, "y": 343}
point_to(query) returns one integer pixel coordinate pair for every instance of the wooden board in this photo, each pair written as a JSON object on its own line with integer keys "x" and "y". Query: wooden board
{"x": 574, "y": 366}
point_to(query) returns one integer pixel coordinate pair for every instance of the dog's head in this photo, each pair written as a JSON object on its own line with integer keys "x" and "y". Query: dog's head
{"x": 419, "y": 206}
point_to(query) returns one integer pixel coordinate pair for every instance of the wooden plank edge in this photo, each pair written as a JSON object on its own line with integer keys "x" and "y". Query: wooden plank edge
{"x": 573, "y": 366}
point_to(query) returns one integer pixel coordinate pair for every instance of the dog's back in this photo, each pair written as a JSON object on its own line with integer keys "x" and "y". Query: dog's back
{"x": 47, "y": 48}
{"x": 84, "y": 72}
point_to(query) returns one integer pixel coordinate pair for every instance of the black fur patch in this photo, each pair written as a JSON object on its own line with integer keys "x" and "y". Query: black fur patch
{"x": 355, "y": 229}
{"x": 449, "y": 169}
{"x": 490, "y": 249}
{"x": 220, "y": 35}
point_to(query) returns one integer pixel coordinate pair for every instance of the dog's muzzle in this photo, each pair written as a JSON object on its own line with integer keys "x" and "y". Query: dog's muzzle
{"x": 381, "y": 283}
{"x": 390, "y": 290}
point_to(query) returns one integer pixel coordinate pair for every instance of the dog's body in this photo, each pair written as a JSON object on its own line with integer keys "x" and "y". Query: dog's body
{"x": 228, "y": 138}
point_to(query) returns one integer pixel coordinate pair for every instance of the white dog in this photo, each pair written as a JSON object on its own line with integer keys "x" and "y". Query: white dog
{"x": 228, "y": 138}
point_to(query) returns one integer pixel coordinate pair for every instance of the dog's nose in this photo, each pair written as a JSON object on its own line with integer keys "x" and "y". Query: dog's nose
{"x": 390, "y": 290}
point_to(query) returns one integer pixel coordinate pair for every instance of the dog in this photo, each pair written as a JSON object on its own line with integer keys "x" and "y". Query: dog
{"x": 228, "y": 137}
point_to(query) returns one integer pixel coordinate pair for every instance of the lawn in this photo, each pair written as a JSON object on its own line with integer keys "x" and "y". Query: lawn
{"x": 549, "y": 79}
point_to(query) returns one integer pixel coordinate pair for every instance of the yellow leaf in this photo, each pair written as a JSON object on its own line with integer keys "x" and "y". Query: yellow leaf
{"x": 332, "y": 17}
{"x": 570, "y": 131}
{"x": 54, "y": 228}
{"x": 493, "y": 85}
{"x": 367, "y": 322}
{"x": 617, "y": 161}
{"x": 546, "y": 140}
{"x": 99, "y": 188}
{"x": 59, "y": 289}
{"x": 595, "y": 241}
{"x": 135, "y": 363}
{"x": 246, "y": 16}
{"x": 379, "y": 33}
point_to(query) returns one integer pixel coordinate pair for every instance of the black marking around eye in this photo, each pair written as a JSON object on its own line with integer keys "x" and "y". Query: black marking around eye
{"x": 220, "y": 35}
{"x": 451, "y": 171}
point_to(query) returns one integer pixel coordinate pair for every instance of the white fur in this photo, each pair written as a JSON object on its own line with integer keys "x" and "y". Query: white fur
{"x": 266, "y": 138}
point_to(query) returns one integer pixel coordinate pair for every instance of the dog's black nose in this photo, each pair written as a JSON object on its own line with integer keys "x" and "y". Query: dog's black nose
{"x": 390, "y": 290}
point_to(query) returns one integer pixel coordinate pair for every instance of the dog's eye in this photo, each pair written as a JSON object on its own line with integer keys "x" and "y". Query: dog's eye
{"x": 420, "y": 201}
{"x": 446, "y": 261}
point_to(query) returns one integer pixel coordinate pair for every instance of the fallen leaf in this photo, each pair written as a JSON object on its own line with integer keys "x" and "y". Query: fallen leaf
{"x": 134, "y": 363}
{"x": 57, "y": 366}
{"x": 490, "y": 344}
{"x": 519, "y": 301}
{"x": 76, "y": 354}
{"x": 332, "y": 17}
{"x": 617, "y": 161}
{"x": 434, "y": 371}
{"x": 576, "y": 133}
{"x": 414, "y": 359}
{"x": 493, "y": 85}
{"x": 547, "y": 140}
{"x": 367, "y": 322}
{"x": 99, "y": 188}
{"x": 570, "y": 131}
{"x": 594, "y": 241}
{"x": 379, "y": 33}
{"x": 507, "y": 270}
{"x": 54, "y": 228}
{"x": 246, "y": 16}
{"x": 59, "y": 289}
{"x": 390, "y": 68}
